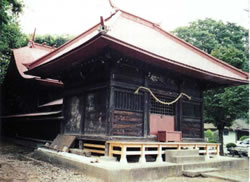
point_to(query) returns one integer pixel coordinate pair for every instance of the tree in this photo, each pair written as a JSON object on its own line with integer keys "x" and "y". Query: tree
{"x": 10, "y": 34}
{"x": 12, "y": 37}
{"x": 229, "y": 43}
{"x": 52, "y": 40}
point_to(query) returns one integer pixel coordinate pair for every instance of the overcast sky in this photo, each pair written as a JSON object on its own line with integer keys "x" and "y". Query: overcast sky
{"x": 75, "y": 16}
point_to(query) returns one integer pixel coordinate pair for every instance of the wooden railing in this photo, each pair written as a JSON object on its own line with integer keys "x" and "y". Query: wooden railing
{"x": 94, "y": 148}
{"x": 142, "y": 149}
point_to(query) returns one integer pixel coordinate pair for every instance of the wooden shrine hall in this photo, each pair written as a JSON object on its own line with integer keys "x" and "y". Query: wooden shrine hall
{"x": 126, "y": 79}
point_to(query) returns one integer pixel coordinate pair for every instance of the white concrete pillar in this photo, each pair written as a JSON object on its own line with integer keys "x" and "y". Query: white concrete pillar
{"x": 142, "y": 157}
{"x": 159, "y": 155}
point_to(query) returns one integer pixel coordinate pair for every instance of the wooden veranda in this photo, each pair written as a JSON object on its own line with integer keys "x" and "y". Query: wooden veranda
{"x": 123, "y": 149}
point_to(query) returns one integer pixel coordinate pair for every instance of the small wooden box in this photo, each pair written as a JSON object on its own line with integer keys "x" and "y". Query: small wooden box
{"x": 169, "y": 136}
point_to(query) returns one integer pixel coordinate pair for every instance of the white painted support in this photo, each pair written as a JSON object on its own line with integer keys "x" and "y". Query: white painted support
{"x": 142, "y": 157}
{"x": 217, "y": 151}
{"x": 179, "y": 147}
{"x": 207, "y": 152}
{"x": 123, "y": 155}
{"x": 159, "y": 155}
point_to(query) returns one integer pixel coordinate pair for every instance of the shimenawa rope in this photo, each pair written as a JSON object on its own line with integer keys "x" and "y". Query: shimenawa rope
{"x": 158, "y": 100}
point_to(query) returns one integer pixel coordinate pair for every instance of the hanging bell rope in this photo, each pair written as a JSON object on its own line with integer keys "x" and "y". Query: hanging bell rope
{"x": 158, "y": 100}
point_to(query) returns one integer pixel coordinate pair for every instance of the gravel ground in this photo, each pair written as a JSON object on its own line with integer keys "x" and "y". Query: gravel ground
{"x": 17, "y": 165}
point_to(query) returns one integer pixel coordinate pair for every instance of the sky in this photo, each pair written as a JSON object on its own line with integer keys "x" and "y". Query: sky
{"x": 75, "y": 16}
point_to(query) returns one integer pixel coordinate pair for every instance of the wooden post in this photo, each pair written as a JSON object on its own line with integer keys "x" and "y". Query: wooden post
{"x": 159, "y": 155}
{"x": 123, "y": 155}
{"x": 142, "y": 157}
{"x": 146, "y": 109}
{"x": 110, "y": 150}
{"x": 179, "y": 147}
{"x": 106, "y": 149}
{"x": 80, "y": 144}
{"x": 217, "y": 150}
{"x": 195, "y": 146}
{"x": 207, "y": 152}
{"x": 110, "y": 110}
{"x": 202, "y": 118}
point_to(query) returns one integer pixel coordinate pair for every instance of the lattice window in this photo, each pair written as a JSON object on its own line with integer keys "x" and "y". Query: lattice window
{"x": 129, "y": 101}
{"x": 158, "y": 108}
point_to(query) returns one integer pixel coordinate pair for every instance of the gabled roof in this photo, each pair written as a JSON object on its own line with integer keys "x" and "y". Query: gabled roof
{"x": 142, "y": 39}
{"x": 240, "y": 124}
{"x": 28, "y": 54}
{"x": 24, "y": 56}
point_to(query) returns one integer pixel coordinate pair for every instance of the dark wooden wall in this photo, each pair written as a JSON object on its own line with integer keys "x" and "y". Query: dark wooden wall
{"x": 85, "y": 98}
{"x": 191, "y": 110}
{"x": 100, "y": 100}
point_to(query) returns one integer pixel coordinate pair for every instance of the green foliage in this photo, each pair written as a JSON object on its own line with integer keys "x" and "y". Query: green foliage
{"x": 230, "y": 145}
{"x": 233, "y": 56}
{"x": 9, "y": 10}
{"x": 52, "y": 40}
{"x": 228, "y": 42}
{"x": 224, "y": 105}
{"x": 12, "y": 37}
{"x": 209, "y": 34}
{"x": 209, "y": 135}
{"x": 243, "y": 138}
{"x": 10, "y": 34}
{"x": 212, "y": 137}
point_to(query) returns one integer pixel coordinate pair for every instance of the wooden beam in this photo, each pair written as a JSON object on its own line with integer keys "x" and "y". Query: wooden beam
{"x": 94, "y": 145}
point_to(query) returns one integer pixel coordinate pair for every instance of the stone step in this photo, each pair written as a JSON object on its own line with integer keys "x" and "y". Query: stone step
{"x": 185, "y": 159}
{"x": 107, "y": 159}
{"x": 198, "y": 172}
{"x": 188, "y": 152}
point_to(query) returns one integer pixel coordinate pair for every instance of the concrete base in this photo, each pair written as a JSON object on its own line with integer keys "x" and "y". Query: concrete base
{"x": 218, "y": 175}
{"x": 183, "y": 156}
{"x": 198, "y": 172}
{"x": 111, "y": 170}
{"x": 186, "y": 159}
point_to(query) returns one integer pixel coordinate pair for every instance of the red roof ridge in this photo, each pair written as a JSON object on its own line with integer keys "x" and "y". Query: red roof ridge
{"x": 179, "y": 40}
{"x": 44, "y": 45}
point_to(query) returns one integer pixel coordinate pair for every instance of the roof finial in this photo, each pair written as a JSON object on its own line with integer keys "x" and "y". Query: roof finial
{"x": 33, "y": 36}
{"x": 31, "y": 42}
{"x": 103, "y": 28}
